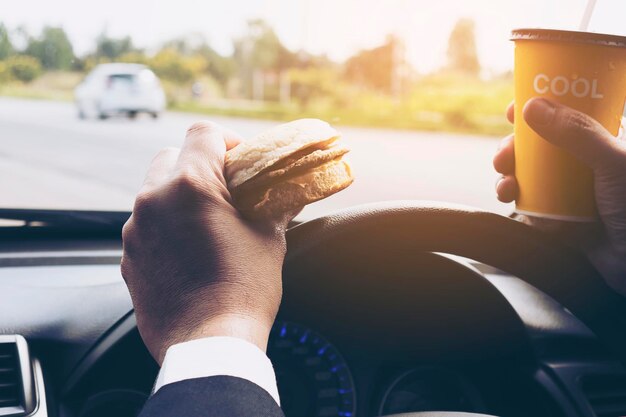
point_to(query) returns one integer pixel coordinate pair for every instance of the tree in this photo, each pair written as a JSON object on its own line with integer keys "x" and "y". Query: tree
{"x": 375, "y": 67}
{"x": 171, "y": 65}
{"x": 260, "y": 47}
{"x": 219, "y": 67}
{"x": 261, "y": 51}
{"x": 462, "y": 56}
{"x": 6, "y": 47}
{"x": 310, "y": 83}
{"x": 112, "y": 48}
{"x": 52, "y": 48}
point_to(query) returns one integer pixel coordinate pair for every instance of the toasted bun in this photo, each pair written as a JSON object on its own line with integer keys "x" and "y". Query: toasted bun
{"x": 286, "y": 168}
{"x": 249, "y": 159}
{"x": 314, "y": 159}
{"x": 296, "y": 192}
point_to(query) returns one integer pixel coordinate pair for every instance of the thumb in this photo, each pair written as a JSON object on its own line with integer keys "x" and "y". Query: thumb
{"x": 574, "y": 131}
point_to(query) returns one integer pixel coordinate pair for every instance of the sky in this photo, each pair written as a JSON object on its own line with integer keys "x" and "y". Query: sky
{"x": 337, "y": 28}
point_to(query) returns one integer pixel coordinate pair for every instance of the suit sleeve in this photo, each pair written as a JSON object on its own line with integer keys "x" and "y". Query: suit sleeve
{"x": 215, "y": 396}
{"x": 218, "y": 355}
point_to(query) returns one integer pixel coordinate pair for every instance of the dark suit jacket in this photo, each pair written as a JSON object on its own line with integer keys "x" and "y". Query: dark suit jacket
{"x": 216, "y": 396}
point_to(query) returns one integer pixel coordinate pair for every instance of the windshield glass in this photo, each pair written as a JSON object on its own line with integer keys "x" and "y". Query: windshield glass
{"x": 90, "y": 91}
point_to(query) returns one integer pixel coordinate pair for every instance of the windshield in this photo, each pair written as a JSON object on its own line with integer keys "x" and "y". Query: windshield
{"x": 90, "y": 91}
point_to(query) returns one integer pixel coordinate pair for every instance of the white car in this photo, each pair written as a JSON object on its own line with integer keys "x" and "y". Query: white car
{"x": 114, "y": 89}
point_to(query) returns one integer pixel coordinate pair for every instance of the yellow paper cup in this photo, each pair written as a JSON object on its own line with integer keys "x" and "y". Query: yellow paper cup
{"x": 585, "y": 71}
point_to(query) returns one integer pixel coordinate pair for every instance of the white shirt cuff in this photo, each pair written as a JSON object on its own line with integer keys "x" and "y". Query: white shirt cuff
{"x": 214, "y": 356}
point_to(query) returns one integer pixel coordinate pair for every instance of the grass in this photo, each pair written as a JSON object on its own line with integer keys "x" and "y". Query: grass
{"x": 435, "y": 103}
{"x": 50, "y": 86}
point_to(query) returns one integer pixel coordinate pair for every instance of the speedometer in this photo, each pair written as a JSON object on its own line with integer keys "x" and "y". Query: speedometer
{"x": 430, "y": 389}
{"x": 313, "y": 379}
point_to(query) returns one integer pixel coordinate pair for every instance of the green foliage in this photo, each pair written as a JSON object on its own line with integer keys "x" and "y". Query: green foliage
{"x": 52, "y": 85}
{"x": 112, "y": 48}
{"x": 134, "y": 58}
{"x": 312, "y": 83}
{"x": 260, "y": 49}
{"x": 219, "y": 67}
{"x": 52, "y": 48}
{"x": 5, "y": 74}
{"x": 6, "y": 47}
{"x": 462, "y": 56}
{"x": 21, "y": 68}
{"x": 361, "y": 92}
{"x": 375, "y": 67}
{"x": 171, "y": 65}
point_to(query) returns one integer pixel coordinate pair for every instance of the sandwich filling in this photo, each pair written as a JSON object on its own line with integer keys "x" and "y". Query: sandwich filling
{"x": 281, "y": 144}
{"x": 287, "y": 167}
{"x": 293, "y": 170}
{"x": 292, "y": 166}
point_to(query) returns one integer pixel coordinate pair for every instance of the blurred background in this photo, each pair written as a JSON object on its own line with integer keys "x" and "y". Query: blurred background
{"x": 415, "y": 65}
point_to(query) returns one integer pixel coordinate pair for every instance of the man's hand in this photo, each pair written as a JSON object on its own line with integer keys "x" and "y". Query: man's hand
{"x": 590, "y": 142}
{"x": 194, "y": 267}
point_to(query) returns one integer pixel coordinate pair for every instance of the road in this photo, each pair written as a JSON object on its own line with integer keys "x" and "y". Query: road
{"x": 50, "y": 159}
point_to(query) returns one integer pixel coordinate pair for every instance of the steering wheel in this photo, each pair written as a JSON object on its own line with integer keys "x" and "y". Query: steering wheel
{"x": 411, "y": 227}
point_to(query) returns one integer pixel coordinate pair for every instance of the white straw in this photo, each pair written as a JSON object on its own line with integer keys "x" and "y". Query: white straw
{"x": 584, "y": 23}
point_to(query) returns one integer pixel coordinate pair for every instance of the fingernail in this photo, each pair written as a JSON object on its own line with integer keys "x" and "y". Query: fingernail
{"x": 539, "y": 112}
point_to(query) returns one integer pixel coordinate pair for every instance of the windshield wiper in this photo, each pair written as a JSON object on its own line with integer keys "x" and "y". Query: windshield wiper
{"x": 67, "y": 219}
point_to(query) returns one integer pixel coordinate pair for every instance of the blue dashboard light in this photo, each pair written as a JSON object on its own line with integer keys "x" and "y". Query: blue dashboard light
{"x": 336, "y": 368}
{"x": 309, "y": 366}
{"x": 322, "y": 350}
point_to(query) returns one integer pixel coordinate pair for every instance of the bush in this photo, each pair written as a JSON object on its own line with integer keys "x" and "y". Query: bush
{"x": 5, "y": 73}
{"x": 458, "y": 119}
{"x": 23, "y": 68}
{"x": 171, "y": 65}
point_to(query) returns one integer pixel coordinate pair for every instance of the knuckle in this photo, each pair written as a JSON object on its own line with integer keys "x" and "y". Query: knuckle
{"x": 577, "y": 123}
{"x": 129, "y": 238}
{"x": 166, "y": 151}
{"x": 204, "y": 126}
{"x": 126, "y": 267}
{"x": 188, "y": 182}
{"x": 128, "y": 231}
{"x": 144, "y": 204}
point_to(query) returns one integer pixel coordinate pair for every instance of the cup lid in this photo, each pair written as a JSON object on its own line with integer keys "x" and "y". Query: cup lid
{"x": 568, "y": 36}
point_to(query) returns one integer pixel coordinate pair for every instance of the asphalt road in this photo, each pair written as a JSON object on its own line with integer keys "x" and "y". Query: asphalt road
{"x": 51, "y": 159}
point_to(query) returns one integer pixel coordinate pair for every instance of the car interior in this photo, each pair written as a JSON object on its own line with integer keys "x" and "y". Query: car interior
{"x": 398, "y": 299}
{"x": 398, "y": 308}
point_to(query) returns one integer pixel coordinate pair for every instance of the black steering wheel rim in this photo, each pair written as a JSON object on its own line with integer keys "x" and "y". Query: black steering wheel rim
{"x": 544, "y": 262}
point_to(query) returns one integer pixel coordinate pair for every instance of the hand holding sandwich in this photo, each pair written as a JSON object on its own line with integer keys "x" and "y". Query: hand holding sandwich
{"x": 194, "y": 264}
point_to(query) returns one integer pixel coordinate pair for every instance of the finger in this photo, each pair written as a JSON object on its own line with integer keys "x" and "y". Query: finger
{"x": 204, "y": 149}
{"x": 507, "y": 189}
{"x": 510, "y": 112}
{"x": 504, "y": 160}
{"x": 205, "y": 145}
{"x": 571, "y": 130}
{"x": 231, "y": 138}
{"x": 161, "y": 167}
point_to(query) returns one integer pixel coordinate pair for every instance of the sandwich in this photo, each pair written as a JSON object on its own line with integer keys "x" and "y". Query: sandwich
{"x": 287, "y": 167}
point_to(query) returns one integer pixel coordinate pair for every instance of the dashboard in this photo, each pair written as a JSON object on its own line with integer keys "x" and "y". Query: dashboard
{"x": 449, "y": 342}
{"x": 316, "y": 379}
